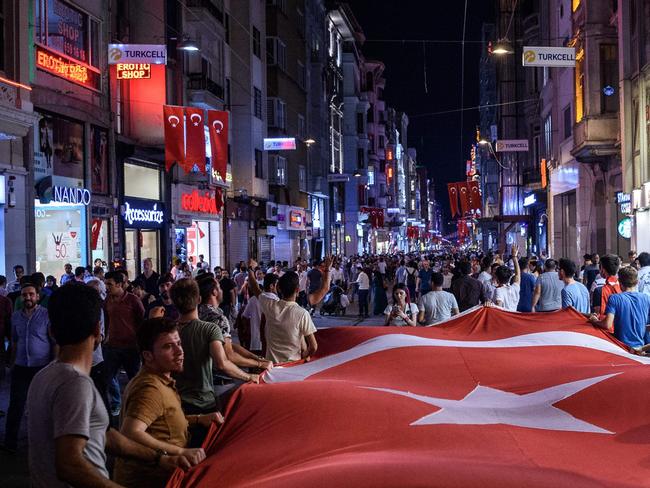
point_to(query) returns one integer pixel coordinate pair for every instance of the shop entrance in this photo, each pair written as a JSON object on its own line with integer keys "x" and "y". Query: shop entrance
{"x": 139, "y": 245}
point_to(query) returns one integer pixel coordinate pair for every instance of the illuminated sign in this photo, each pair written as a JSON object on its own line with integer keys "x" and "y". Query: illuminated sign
{"x": 280, "y": 144}
{"x": 549, "y": 56}
{"x": 67, "y": 68}
{"x": 73, "y": 195}
{"x": 512, "y": 145}
{"x": 296, "y": 219}
{"x": 625, "y": 228}
{"x": 137, "y": 53}
{"x": 133, "y": 71}
{"x": 530, "y": 200}
{"x": 143, "y": 214}
{"x": 199, "y": 202}
{"x": 622, "y": 197}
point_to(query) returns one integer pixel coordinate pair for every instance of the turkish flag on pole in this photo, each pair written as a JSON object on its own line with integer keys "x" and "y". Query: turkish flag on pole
{"x": 453, "y": 198}
{"x": 218, "y": 126}
{"x": 194, "y": 139}
{"x": 463, "y": 196}
{"x": 487, "y": 399}
{"x": 474, "y": 196}
{"x": 174, "y": 135}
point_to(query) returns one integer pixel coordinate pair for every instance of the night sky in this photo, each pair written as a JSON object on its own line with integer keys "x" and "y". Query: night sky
{"x": 435, "y": 137}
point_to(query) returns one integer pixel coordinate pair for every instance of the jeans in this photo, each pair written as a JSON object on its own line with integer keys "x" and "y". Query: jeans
{"x": 120, "y": 357}
{"x": 363, "y": 302}
{"x": 21, "y": 378}
{"x": 98, "y": 375}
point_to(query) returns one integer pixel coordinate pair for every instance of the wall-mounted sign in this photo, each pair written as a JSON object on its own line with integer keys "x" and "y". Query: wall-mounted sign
{"x": 549, "y": 56}
{"x": 203, "y": 202}
{"x": 530, "y": 200}
{"x": 280, "y": 144}
{"x": 137, "y": 53}
{"x": 67, "y": 194}
{"x": 133, "y": 71}
{"x": 625, "y": 202}
{"x": 68, "y": 68}
{"x": 625, "y": 228}
{"x": 512, "y": 145}
{"x": 296, "y": 218}
{"x": 338, "y": 178}
{"x": 637, "y": 196}
{"x": 143, "y": 214}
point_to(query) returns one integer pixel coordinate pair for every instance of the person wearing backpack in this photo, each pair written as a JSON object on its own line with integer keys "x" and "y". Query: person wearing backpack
{"x": 644, "y": 273}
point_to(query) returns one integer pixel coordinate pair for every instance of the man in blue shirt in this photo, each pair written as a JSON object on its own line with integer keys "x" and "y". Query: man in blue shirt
{"x": 425, "y": 275}
{"x": 627, "y": 312}
{"x": 33, "y": 348}
{"x": 573, "y": 294}
{"x": 527, "y": 287}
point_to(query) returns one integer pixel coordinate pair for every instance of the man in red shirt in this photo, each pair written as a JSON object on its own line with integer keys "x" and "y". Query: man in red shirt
{"x": 124, "y": 314}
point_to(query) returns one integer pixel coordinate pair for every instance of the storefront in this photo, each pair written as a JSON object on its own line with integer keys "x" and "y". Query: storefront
{"x": 291, "y": 232}
{"x": 144, "y": 217}
{"x": 536, "y": 231}
{"x": 198, "y": 225}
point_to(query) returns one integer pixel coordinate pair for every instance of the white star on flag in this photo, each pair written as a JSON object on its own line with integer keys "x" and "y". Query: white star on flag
{"x": 486, "y": 406}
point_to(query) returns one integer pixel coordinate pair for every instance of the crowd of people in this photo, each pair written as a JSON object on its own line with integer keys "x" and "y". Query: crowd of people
{"x": 70, "y": 341}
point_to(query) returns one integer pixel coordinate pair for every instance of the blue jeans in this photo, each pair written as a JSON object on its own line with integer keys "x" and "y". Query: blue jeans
{"x": 116, "y": 358}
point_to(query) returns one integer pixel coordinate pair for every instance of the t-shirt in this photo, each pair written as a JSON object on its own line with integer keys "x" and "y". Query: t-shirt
{"x": 153, "y": 400}
{"x": 508, "y": 295}
{"x": 63, "y": 401}
{"x": 253, "y": 313}
{"x": 425, "y": 280}
{"x": 381, "y": 266}
{"x": 287, "y": 324}
{"x": 363, "y": 281}
{"x": 527, "y": 287}
{"x": 151, "y": 283}
{"x": 437, "y": 306}
{"x": 124, "y": 316}
{"x": 400, "y": 275}
{"x": 195, "y": 384}
{"x": 210, "y": 313}
{"x": 551, "y": 288}
{"x": 468, "y": 292}
{"x": 631, "y": 312}
{"x": 315, "y": 278}
{"x": 411, "y": 310}
{"x": 576, "y": 295}
{"x": 446, "y": 281}
{"x": 227, "y": 285}
{"x": 171, "y": 312}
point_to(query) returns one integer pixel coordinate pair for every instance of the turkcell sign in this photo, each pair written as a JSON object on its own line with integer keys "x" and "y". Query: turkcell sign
{"x": 549, "y": 56}
{"x": 137, "y": 53}
{"x": 512, "y": 145}
{"x": 280, "y": 144}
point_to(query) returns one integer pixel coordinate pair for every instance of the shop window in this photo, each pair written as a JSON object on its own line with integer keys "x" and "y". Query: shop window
{"x": 61, "y": 147}
{"x": 302, "y": 178}
{"x": 141, "y": 182}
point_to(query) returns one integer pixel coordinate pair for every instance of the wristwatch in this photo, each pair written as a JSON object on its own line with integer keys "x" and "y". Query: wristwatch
{"x": 159, "y": 453}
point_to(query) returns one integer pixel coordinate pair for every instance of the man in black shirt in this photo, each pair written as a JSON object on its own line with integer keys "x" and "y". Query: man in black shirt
{"x": 164, "y": 305}
{"x": 467, "y": 290}
{"x": 149, "y": 277}
{"x": 229, "y": 288}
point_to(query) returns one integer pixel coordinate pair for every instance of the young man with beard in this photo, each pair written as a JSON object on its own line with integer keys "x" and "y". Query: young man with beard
{"x": 68, "y": 425}
{"x": 152, "y": 413}
{"x": 164, "y": 305}
{"x": 32, "y": 349}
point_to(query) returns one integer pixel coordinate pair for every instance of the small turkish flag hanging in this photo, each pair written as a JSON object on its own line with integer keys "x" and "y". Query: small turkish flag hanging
{"x": 218, "y": 125}
{"x": 194, "y": 139}
{"x": 453, "y": 198}
{"x": 474, "y": 196}
{"x": 174, "y": 135}
{"x": 463, "y": 194}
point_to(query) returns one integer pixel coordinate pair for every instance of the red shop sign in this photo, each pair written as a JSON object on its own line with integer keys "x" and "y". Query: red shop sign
{"x": 199, "y": 202}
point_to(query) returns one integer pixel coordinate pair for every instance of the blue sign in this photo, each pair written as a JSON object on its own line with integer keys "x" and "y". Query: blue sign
{"x": 143, "y": 214}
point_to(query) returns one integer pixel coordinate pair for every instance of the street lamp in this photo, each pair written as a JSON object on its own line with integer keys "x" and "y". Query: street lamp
{"x": 309, "y": 141}
{"x": 187, "y": 45}
{"x": 502, "y": 47}
{"x": 357, "y": 174}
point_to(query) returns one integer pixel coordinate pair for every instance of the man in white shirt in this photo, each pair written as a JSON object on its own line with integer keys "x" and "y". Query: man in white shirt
{"x": 336, "y": 275}
{"x": 290, "y": 332}
{"x": 436, "y": 305}
{"x": 253, "y": 310}
{"x": 506, "y": 294}
{"x": 381, "y": 266}
{"x": 644, "y": 273}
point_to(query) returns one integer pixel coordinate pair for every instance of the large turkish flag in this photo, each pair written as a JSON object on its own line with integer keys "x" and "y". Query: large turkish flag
{"x": 489, "y": 399}
{"x": 463, "y": 196}
{"x": 174, "y": 121}
{"x": 218, "y": 126}
{"x": 474, "y": 195}
{"x": 194, "y": 139}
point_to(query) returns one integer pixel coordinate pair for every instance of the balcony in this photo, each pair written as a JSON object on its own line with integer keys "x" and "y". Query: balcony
{"x": 209, "y": 6}
{"x": 203, "y": 92}
{"x": 595, "y": 139}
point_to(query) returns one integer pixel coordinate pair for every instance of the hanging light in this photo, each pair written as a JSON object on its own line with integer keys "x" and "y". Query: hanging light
{"x": 187, "y": 45}
{"x": 357, "y": 174}
{"x": 502, "y": 46}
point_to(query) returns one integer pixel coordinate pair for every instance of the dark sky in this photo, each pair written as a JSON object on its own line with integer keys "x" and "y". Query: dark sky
{"x": 436, "y": 138}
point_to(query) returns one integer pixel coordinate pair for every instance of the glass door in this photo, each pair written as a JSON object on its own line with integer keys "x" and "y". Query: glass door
{"x": 149, "y": 249}
{"x": 131, "y": 252}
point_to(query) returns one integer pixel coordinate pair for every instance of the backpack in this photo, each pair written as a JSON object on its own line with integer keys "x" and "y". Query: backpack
{"x": 410, "y": 279}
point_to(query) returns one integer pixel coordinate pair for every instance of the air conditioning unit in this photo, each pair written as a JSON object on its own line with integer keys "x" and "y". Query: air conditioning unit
{"x": 272, "y": 211}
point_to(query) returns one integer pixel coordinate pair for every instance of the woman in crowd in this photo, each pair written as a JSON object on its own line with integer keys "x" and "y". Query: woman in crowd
{"x": 379, "y": 292}
{"x": 402, "y": 312}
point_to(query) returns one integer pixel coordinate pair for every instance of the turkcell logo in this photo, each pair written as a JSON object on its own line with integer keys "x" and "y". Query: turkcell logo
{"x": 549, "y": 56}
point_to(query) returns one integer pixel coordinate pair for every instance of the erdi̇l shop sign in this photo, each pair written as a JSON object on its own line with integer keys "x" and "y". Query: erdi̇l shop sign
{"x": 549, "y": 56}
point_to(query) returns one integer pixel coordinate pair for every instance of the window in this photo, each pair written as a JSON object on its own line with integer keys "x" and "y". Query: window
{"x": 568, "y": 122}
{"x": 280, "y": 4}
{"x": 257, "y": 47}
{"x": 228, "y": 99}
{"x": 302, "y": 128}
{"x": 141, "y": 182}
{"x": 302, "y": 75}
{"x": 360, "y": 123}
{"x": 361, "y": 157}
{"x": 3, "y": 41}
{"x": 548, "y": 136}
{"x": 276, "y": 113}
{"x": 302, "y": 178}
{"x": 276, "y": 53}
{"x": 382, "y": 142}
{"x": 278, "y": 170}
{"x": 259, "y": 164}
{"x": 258, "y": 103}
{"x": 580, "y": 84}
{"x": 608, "y": 78}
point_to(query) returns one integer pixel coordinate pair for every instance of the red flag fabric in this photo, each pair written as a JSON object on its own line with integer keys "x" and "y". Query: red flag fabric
{"x": 174, "y": 135}
{"x": 218, "y": 196}
{"x": 194, "y": 139}
{"x": 95, "y": 230}
{"x": 463, "y": 196}
{"x": 488, "y": 399}
{"x": 218, "y": 126}
{"x": 453, "y": 198}
{"x": 474, "y": 196}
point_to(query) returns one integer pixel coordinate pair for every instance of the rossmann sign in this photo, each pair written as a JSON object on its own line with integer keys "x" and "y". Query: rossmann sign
{"x": 549, "y": 56}
{"x": 137, "y": 53}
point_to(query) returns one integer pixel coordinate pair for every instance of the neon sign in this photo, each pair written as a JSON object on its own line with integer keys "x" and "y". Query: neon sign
{"x": 67, "y": 68}
{"x": 143, "y": 214}
{"x": 280, "y": 144}
{"x": 196, "y": 202}
{"x": 66, "y": 194}
{"x": 133, "y": 71}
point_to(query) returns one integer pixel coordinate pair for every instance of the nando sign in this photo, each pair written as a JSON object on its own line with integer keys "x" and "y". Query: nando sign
{"x": 72, "y": 195}
{"x": 549, "y": 56}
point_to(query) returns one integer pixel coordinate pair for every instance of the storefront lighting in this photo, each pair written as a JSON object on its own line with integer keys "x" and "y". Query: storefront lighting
{"x": 310, "y": 141}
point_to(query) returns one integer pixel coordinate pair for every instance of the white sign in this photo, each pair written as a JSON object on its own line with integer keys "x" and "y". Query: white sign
{"x": 137, "y": 53}
{"x": 73, "y": 195}
{"x": 3, "y": 195}
{"x": 338, "y": 178}
{"x": 136, "y": 215}
{"x": 530, "y": 200}
{"x": 512, "y": 145}
{"x": 549, "y": 56}
{"x": 280, "y": 144}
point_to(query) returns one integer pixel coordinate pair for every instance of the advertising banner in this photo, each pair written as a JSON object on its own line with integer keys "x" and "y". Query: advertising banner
{"x": 549, "y": 56}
